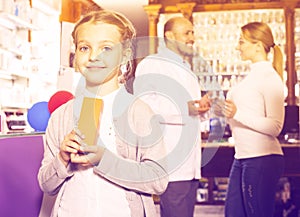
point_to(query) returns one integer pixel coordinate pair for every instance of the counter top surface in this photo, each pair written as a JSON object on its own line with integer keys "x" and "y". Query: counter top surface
{"x": 204, "y": 143}
{"x": 3, "y": 136}
{"x": 228, "y": 144}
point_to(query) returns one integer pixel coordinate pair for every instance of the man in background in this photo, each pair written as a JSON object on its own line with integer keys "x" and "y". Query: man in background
{"x": 165, "y": 81}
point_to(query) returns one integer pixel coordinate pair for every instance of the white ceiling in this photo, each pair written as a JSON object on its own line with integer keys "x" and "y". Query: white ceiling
{"x": 133, "y": 9}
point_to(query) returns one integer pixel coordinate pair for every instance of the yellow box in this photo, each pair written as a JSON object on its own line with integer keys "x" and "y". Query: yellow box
{"x": 89, "y": 120}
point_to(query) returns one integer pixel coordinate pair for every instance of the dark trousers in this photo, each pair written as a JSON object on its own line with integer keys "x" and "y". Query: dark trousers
{"x": 252, "y": 186}
{"x": 179, "y": 199}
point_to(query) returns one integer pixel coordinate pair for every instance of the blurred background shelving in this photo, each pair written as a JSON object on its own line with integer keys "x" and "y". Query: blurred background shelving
{"x": 216, "y": 37}
{"x": 29, "y": 58}
{"x": 217, "y": 30}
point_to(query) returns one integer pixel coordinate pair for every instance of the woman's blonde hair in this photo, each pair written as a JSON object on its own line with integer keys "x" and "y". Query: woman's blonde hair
{"x": 258, "y": 31}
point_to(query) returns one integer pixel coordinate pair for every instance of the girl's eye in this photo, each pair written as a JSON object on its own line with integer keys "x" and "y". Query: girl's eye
{"x": 83, "y": 48}
{"x": 106, "y": 48}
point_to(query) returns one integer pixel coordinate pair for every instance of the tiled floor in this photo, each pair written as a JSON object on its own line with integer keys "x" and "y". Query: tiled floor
{"x": 207, "y": 211}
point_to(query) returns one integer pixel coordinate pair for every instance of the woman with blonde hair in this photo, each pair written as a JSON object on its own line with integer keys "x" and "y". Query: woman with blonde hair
{"x": 255, "y": 112}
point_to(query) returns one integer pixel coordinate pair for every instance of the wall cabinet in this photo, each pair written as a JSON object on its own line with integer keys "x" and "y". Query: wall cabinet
{"x": 216, "y": 37}
{"x": 29, "y": 57}
{"x": 14, "y": 45}
{"x": 29, "y": 52}
{"x": 15, "y": 27}
{"x": 219, "y": 21}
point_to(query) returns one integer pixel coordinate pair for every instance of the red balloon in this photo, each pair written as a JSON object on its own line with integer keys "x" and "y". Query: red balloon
{"x": 58, "y": 99}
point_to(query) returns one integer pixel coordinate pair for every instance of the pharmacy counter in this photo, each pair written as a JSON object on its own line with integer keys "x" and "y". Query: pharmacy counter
{"x": 218, "y": 157}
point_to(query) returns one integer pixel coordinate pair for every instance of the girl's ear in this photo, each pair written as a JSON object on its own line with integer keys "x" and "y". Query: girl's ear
{"x": 124, "y": 64}
{"x": 126, "y": 56}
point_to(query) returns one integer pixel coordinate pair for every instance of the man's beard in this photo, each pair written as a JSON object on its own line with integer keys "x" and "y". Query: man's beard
{"x": 186, "y": 50}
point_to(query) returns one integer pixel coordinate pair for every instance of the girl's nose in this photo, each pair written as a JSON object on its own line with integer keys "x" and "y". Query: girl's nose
{"x": 95, "y": 55}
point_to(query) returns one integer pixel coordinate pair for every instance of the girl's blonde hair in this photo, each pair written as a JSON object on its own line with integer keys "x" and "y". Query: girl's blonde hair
{"x": 125, "y": 27}
{"x": 258, "y": 31}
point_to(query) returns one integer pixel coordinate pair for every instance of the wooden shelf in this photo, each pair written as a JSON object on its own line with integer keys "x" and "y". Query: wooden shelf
{"x": 187, "y": 8}
{"x": 14, "y": 22}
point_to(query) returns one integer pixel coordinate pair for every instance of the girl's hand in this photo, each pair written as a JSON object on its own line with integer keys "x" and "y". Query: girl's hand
{"x": 229, "y": 109}
{"x": 92, "y": 155}
{"x": 70, "y": 146}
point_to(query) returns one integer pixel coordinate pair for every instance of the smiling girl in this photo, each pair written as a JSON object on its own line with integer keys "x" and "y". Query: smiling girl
{"x": 117, "y": 176}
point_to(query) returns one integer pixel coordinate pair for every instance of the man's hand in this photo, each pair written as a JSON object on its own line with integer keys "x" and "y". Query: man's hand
{"x": 197, "y": 107}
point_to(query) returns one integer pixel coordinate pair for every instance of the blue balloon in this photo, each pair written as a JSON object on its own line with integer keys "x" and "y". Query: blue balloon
{"x": 38, "y": 116}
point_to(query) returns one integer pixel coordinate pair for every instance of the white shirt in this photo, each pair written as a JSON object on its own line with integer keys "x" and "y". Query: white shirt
{"x": 166, "y": 83}
{"x": 259, "y": 99}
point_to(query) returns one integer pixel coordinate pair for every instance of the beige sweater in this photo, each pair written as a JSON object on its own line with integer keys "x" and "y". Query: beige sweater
{"x": 141, "y": 161}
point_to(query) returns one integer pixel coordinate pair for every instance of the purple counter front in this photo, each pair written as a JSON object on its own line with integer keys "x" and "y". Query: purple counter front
{"x": 20, "y": 159}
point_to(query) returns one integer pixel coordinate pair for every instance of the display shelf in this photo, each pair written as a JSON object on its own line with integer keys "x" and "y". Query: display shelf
{"x": 29, "y": 58}
{"x": 157, "y": 10}
{"x": 216, "y": 38}
{"x": 14, "y": 51}
{"x": 5, "y": 75}
{"x": 14, "y": 22}
{"x": 12, "y": 75}
{"x": 217, "y": 35}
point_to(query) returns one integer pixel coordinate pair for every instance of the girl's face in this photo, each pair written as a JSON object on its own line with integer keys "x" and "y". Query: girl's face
{"x": 98, "y": 53}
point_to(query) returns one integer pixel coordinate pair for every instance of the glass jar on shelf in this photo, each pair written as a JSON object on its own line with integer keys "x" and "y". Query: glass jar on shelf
{"x": 217, "y": 34}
